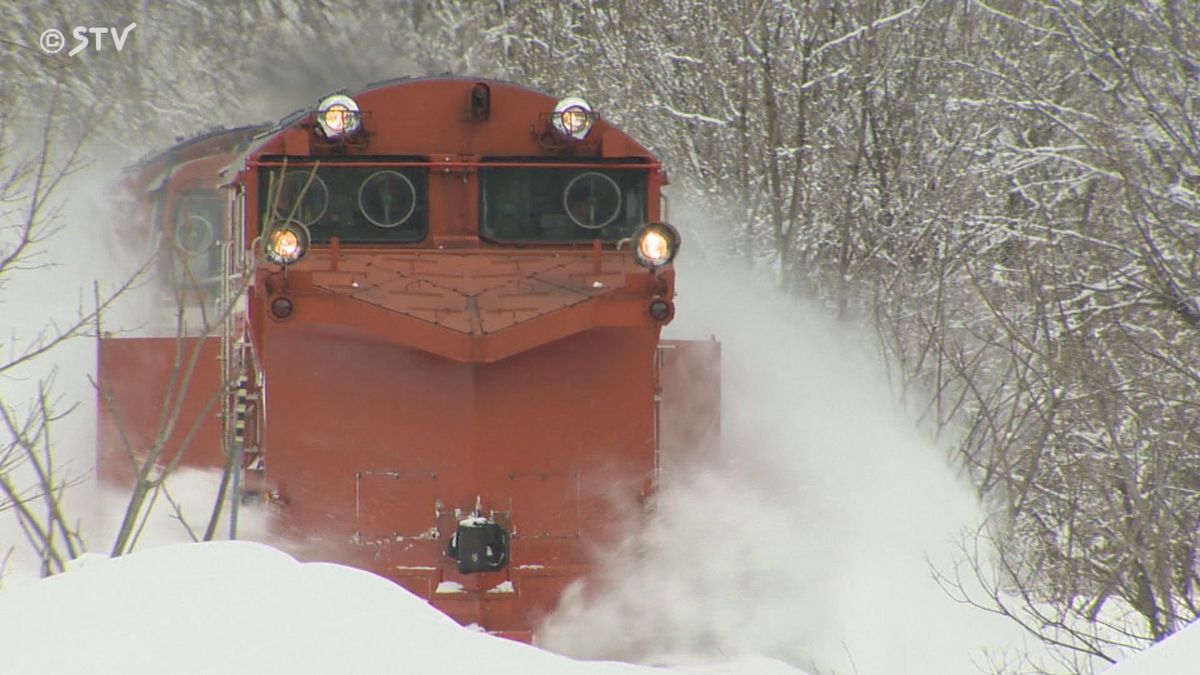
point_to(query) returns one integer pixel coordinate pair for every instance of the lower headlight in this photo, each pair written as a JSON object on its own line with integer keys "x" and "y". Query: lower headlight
{"x": 286, "y": 243}
{"x": 661, "y": 310}
{"x": 282, "y": 307}
{"x": 655, "y": 245}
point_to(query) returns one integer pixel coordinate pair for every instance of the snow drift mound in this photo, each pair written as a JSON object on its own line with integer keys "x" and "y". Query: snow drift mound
{"x": 1177, "y": 655}
{"x": 238, "y": 607}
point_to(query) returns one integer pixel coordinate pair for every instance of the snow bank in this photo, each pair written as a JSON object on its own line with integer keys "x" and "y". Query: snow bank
{"x": 226, "y": 607}
{"x": 1177, "y": 655}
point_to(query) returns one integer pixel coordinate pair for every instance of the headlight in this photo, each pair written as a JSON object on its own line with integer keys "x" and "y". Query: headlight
{"x": 338, "y": 116}
{"x": 286, "y": 243}
{"x": 655, "y": 245}
{"x": 573, "y": 117}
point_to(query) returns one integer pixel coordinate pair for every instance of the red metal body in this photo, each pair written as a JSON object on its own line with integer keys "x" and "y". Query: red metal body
{"x": 414, "y": 385}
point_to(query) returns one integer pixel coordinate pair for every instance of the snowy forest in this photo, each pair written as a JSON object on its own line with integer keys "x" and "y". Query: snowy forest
{"x": 1005, "y": 194}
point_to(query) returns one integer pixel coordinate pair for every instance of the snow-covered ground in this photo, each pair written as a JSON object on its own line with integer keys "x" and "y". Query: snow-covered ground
{"x": 226, "y": 607}
{"x": 1177, "y": 655}
{"x": 240, "y": 607}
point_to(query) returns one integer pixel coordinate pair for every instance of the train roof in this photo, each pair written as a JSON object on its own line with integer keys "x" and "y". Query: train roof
{"x": 214, "y": 141}
{"x": 440, "y": 124}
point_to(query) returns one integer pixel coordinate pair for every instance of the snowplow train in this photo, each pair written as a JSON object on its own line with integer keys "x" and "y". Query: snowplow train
{"x": 420, "y": 324}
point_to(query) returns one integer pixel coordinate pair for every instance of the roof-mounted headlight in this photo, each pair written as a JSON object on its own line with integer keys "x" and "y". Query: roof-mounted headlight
{"x": 573, "y": 118}
{"x": 655, "y": 245}
{"x": 339, "y": 117}
{"x": 286, "y": 243}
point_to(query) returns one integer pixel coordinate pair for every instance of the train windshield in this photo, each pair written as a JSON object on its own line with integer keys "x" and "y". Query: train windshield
{"x": 367, "y": 204}
{"x": 555, "y": 204}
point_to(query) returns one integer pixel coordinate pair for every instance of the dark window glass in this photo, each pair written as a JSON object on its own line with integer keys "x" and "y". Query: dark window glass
{"x": 552, "y": 204}
{"x": 367, "y": 204}
{"x": 195, "y": 237}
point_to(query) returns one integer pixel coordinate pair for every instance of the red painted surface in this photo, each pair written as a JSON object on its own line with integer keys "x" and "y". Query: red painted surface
{"x": 141, "y": 406}
{"x": 413, "y": 382}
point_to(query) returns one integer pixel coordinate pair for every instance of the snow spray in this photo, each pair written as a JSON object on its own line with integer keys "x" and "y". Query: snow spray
{"x": 811, "y": 539}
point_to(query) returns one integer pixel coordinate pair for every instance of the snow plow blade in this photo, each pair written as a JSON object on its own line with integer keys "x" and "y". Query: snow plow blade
{"x": 153, "y": 389}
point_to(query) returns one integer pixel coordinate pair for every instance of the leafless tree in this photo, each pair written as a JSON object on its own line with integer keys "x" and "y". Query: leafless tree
{"x": 31, "y": 483}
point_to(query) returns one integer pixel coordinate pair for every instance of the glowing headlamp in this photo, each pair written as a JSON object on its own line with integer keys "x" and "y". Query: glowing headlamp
{"x": 655, "y": 245}
{"x": 286, "y": 243}
{"x": 573, "y": 117}
{"x": 338, "y": 116}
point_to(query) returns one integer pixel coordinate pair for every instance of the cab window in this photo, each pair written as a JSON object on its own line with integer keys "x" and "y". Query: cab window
{"x": 195, "y": 238}
{"x": 367, "y": 204}
{"x": 552, "y": 204}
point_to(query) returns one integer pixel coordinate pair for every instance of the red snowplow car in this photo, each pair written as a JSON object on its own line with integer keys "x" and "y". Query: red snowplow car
{"x": 432, "y": 339}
